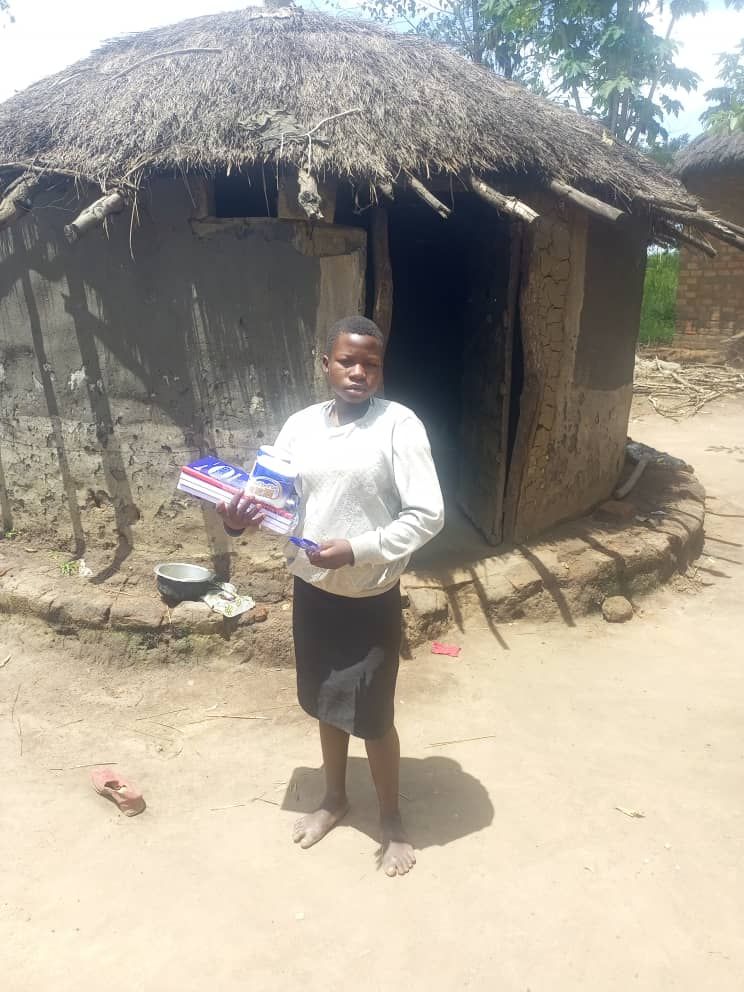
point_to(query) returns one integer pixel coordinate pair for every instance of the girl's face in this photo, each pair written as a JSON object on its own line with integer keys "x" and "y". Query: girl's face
{"x": 354, "y": 367}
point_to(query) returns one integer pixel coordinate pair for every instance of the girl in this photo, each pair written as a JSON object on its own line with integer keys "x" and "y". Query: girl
{"x": 369, "y": 496}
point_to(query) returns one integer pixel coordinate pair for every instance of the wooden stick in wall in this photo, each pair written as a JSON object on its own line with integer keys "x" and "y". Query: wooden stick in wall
{"x": 16, "y": 201}
{"x": 94, "y": 216}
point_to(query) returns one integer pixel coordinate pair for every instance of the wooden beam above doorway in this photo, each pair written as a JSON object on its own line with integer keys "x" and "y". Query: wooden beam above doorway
{"x": 506, "y": 204}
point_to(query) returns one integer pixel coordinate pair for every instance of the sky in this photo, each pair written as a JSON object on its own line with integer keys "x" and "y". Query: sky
{"x": 50, "y": 34}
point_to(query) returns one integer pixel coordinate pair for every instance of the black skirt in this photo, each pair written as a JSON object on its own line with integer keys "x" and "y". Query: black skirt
{"x": 347, "y": 653}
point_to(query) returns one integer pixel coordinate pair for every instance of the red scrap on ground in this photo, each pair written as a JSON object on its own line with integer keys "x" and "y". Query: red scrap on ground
{"x": 451, "y": 650}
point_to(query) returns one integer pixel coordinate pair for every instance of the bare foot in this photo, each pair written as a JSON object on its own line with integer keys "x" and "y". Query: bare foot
{"x": 311, "y": 828}
{"x": 396, "y": 854}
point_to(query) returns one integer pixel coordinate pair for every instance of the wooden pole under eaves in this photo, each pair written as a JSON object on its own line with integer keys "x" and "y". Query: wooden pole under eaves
{"x": 700, "y": 244}
{"x": 589, "y": 203}
{"x": 703, "y": 220}
{"x": 506, "y": 204}
{"x": 429, "y": 198}
{"x": 721, "y": 234}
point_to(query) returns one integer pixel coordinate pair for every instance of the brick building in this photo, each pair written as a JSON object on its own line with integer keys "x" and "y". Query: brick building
{"x": 710, "y": 297}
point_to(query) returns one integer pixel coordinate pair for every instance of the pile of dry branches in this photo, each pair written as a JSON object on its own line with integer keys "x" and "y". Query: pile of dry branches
{"x": 676, "y": 390}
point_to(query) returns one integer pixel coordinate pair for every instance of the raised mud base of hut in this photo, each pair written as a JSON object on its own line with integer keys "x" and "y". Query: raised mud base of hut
{"x": 626, "y": 547}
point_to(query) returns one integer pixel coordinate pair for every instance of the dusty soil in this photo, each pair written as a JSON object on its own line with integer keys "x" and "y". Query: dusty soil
{"x": 529, "y": 876}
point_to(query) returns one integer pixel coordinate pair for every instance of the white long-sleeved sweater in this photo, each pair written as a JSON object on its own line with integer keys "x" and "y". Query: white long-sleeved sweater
{"x": 372, "y": 482}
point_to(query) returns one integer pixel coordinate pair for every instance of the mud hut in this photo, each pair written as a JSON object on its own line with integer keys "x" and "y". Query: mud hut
{"x": 185, "y": 212}
{"x": 710, "y": 295}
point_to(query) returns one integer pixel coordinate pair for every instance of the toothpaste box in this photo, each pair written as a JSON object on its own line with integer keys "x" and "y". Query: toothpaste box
{"x": 215, "y": 481}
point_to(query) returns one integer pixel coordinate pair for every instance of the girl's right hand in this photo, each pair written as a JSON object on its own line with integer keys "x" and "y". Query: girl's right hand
{"x": 241, "y": 513}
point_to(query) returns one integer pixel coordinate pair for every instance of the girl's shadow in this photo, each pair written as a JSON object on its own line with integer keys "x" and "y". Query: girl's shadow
{"x": 439, "y": 801}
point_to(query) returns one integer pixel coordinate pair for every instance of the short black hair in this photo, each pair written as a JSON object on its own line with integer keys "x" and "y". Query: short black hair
{"x": 354, "y": 325}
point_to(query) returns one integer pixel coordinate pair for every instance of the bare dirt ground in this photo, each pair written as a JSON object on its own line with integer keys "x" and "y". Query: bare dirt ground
{"x": 529, "y": 877}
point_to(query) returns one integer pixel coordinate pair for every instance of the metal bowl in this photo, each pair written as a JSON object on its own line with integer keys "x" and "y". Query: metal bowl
{"x": 178, "y": 580}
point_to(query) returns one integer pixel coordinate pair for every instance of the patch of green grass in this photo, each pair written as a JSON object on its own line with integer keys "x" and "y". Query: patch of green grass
{"x": 70, "y": 568}
{"x": 659, "y": 308}
{"x": 10, "y": 534}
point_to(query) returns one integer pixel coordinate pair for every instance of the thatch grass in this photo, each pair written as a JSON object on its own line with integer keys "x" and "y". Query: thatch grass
{"x": 715, "y": 149}
{"x": 421, "y": 108}
{"x": 659, "y": 310}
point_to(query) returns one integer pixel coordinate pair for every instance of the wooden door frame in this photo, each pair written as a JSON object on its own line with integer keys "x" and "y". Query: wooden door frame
{"x": 529, "y": 403}
{"x": 487, "y": 517}
{"x": 510, "y": 316}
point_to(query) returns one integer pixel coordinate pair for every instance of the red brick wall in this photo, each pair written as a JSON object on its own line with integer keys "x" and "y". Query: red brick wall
{"x": 710, "y": 298}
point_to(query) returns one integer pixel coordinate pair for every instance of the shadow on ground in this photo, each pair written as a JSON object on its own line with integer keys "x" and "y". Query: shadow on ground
{"x": 441, "y": 803}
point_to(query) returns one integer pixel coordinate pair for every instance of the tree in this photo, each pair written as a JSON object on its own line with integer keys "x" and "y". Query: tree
{"x": 665, "y": 152}
{"x": 603, "y": 58}
{"x": 608, "y": 59}
{"x": 462, "y": 24}
{"x": 727, "y": 110}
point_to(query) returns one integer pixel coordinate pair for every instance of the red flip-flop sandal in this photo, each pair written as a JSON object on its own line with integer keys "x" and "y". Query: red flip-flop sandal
{"x": 120, "y": 790}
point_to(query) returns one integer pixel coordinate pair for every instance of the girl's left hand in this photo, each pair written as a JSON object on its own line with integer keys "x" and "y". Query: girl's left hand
{"x": 332, "y": 554}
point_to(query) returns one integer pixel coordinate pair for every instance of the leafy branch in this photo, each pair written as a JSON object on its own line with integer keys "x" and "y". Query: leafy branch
{"x": 726, "y": 112}
{"x": 605, "y": 59}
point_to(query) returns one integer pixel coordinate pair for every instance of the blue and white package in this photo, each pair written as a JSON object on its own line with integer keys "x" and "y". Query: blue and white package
{"x": 213, "y": 479}
{"x": 304, "y": 544}
{"x": 271, "y": 482}
{"x": 272, "y": 479}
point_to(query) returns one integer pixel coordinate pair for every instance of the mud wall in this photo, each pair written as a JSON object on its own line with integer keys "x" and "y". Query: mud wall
{"x": 580, "y": 309}
{"x": 114, "y": 371}
{"x": 710, "y": 294}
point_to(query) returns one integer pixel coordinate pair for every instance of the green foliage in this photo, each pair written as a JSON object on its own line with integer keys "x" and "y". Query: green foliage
{"x": 464, "y": 25}
{"x": 605, "y": 59}
{"x": 659, "y": 309}
{"x": 727, "y": 110}
{"x": 664, "y": 152}
{"x": 70, "y": 568}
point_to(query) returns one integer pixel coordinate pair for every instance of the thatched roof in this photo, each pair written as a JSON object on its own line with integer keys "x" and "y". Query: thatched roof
{"x": 714, "y": 150}
{"x": 249, "y": 85}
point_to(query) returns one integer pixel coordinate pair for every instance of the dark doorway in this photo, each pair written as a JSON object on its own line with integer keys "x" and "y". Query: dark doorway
{"x": 450, "y": 355}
